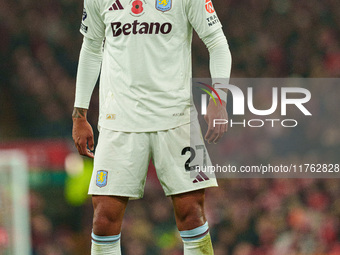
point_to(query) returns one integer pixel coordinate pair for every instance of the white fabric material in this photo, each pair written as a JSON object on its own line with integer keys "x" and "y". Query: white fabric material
{"x": 121, "y": 161}
{"x": 196, "y": 233}
{"x": 145, "y": 76}
{"x": 105, "y": 239}
{"x": 220, "y": 59}
{"x": 88, "y": 71}
{"x": 106, "y": 249}
{"x": 202, "y": 246}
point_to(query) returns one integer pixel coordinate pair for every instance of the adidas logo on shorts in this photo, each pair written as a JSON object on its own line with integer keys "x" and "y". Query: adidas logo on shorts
{"x": 201, "y": 177}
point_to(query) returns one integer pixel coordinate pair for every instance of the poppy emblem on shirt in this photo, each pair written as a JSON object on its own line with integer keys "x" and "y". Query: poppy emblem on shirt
{"x": 137, "y": 7}
{"x": 209, "y": 6}
{"x": 163, "y": 5}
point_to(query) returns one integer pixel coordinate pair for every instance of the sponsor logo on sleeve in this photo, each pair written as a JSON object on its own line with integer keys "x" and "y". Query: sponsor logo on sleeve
{"x": 163, "y": 5}
{"x": 212, "y": 20}
{"x": 209, "y": 6}
{"x": 84, "y": 14}
{"x": 84, "y": 28}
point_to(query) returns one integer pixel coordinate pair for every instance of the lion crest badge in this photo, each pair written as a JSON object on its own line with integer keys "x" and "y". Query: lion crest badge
{"x": 101, "y": 179}
{"x": 163, "y": 5}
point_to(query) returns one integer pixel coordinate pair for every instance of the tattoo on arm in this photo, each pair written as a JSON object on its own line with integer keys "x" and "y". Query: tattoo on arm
{"x": 79, "y": 113}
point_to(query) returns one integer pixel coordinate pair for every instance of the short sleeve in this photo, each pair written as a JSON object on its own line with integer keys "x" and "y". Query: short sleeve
{"x": 92, "y": 25}
{"x": 202, "y": 16}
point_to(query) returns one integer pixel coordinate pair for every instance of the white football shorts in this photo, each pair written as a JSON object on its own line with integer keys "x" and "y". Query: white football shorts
{"x": 121, "y": 161}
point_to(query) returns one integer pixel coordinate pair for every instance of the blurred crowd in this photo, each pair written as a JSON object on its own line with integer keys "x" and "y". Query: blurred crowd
{"x": 39, "y": 49}
{"x": 246, "y": 217}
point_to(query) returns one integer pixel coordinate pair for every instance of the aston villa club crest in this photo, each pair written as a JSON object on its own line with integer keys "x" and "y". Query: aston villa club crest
{"x": 163, "y": 5}
{"x": 101, "y": 179}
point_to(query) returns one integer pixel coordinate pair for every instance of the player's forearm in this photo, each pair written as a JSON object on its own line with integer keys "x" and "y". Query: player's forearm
{"x": 88, "y": 71}
{"x": 220, "y": 67}
{"x": 220, "y": 57}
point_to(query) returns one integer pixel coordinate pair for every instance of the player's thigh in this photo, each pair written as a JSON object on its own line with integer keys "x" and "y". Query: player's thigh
{"x": 120, "y": 164}
{"x": 177, "y": 153}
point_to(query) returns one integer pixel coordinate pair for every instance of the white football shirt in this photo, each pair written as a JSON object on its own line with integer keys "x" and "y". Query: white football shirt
{"x": 146, "y": 69}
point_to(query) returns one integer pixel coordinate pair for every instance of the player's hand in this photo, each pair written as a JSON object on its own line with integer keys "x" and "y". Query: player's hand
{"x": 217, "y": 111}
{"x": 82, "y": 133}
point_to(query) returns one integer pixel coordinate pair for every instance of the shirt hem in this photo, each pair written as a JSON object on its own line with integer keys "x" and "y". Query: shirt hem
{"x": 143, "y": 130}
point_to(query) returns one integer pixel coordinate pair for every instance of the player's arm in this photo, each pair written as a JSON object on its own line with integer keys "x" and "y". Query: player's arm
{"x": 87, "y": 75}
{"x": 220, "y": 67}
{"x": 88, "y": 71}
{"x": 204, "y": 20}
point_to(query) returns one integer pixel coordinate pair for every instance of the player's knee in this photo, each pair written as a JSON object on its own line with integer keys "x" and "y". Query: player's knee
{"x": 190, "y": 215}
{"x": 108, "y": 214}
{"x": 106, "y": 222}
{"x": 101, "y": 220}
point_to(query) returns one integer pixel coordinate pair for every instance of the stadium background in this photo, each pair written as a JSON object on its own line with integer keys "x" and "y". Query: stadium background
{"x": 39, "y": 49}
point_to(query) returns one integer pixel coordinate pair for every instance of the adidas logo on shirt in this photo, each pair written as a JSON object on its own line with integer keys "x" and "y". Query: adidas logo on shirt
{"x": 201, "y": 177}
{"x": 116, "y": 6}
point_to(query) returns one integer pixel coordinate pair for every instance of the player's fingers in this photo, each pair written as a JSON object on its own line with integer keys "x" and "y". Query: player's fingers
{"x": 85, "y": 152}
{"x": 217, "y": 131}
{"x": 89, "y": 153}
{"x": 79, "y": 149}
{"x": 83, "y": 148}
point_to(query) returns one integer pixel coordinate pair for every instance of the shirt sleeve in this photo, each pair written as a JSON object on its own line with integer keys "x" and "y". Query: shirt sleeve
{"x": 202, "y": 16}
{"x": 220, "y": 56}
{"x": 88, "y": 71}
{"x": 92, "y": 25}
